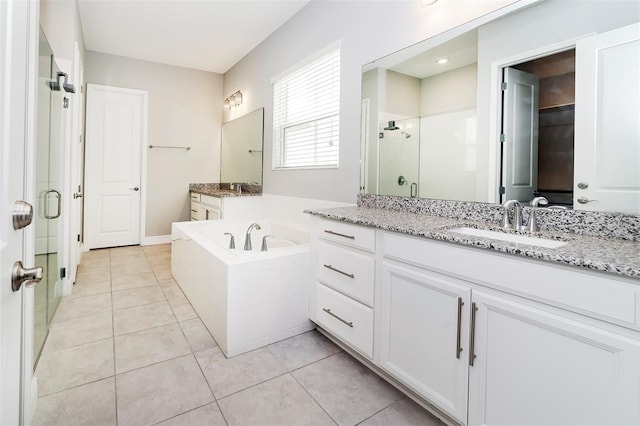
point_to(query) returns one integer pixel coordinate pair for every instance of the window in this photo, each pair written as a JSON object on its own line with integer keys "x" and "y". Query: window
{"x": 306, "y": 115}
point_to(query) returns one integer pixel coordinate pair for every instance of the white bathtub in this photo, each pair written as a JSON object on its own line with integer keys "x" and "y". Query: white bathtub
{"x": 247, "y": 299}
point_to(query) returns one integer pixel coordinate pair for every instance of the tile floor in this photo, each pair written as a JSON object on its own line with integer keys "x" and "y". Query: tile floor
{"x": 127, "y": 348}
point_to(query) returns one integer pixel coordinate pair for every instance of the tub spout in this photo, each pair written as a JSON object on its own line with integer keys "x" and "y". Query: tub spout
{"x": 247, "y": 237}
{"x": 232, "y": 241}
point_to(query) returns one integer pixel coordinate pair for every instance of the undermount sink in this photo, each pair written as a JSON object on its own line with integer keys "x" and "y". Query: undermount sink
{"x": 503, "y": 236}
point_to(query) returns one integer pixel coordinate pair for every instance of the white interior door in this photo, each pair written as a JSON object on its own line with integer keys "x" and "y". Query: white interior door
{"x": 18, "y": 32}
{"x": 520, "y": 130}
{"x": 607, "y": 135}
{"x": 115, "y": 135}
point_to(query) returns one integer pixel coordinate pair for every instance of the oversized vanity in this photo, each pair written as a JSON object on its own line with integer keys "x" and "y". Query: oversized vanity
{"x": 482, "y": 330}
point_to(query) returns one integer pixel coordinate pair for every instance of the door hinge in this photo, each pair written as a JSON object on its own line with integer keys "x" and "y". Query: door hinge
{"x": 502, "y": 138}
{"x": 80, "y": 139}
{"x": 63, "y": 273}
{"x": 502, "y": 190}
{"x": 78, "y": 238}
{"x": 503, "y": 86}
{"x": 65, "y": 102}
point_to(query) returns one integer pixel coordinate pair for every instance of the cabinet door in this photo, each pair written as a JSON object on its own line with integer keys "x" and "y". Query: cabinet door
{"x": 534, "y": 367}
{"x": 424, "y": 335}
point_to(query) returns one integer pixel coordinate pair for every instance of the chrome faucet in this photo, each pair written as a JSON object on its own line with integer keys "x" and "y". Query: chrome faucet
{"x": 247, "y": 237}
{"x": 517, "y": 215}
{"x": 240, "y": 190}
{"x": 532, "y": 226}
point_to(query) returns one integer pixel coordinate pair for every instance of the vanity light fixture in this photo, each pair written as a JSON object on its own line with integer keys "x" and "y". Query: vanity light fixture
{"x": 442, "y": 61}
{"x": 233, "y": 100}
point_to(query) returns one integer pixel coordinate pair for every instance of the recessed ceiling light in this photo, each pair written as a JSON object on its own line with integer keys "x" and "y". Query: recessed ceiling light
{"x": 442, "y": 61}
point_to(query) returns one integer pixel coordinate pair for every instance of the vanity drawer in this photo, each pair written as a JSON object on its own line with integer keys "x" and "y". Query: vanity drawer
{"x": 195, "y": 197}
{"x": 348, "y": 271}
{"x": 211, "y": 201}
{"x": 356, "y": 236}
{"x": 347, "y": 319}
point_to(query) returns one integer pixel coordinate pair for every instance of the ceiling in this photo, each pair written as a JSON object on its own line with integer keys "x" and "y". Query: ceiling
{"x": 209, "y": 35}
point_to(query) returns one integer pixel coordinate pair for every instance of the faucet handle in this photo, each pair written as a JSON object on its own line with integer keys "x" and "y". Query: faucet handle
{"x": 264, "y": 243}
{"x": 232, "y": 241}
{"x": 539, "y": 201}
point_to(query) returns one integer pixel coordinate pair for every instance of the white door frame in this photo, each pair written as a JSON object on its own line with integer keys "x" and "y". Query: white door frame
{"x": 143, "y": 158}
{"x": 495, "y": 106}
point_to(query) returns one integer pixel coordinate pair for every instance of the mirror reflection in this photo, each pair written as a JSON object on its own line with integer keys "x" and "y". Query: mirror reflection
{"x": 241, "y": 152}
{"x": 542, "y": 102}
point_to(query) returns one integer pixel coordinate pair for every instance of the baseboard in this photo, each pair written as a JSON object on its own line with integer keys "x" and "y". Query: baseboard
{"x": 157, "y": 239}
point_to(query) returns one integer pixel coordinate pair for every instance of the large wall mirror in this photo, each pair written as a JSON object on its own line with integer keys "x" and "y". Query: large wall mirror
{"x": 541, "y": 101}
{"x": 241, "y": 156}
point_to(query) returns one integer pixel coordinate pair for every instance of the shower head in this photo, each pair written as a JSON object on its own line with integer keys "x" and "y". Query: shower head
{"x": 392, "y": 126}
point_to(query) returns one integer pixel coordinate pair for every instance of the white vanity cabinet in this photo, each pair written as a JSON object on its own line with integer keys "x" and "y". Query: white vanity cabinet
{"x": 424, "y": 335}
{"x": 345, "y": 272}
{"x": 488, "y": 338}
{"x": 209, "y": 207}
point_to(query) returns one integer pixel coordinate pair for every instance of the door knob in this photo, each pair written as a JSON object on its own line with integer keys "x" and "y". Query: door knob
{"x": 135, "y": 188}
{"x": 22, "y": 214}
{"x": 585, "y": 200}
{"x": 21, "y": 275}
{"x": 77, "y": 195}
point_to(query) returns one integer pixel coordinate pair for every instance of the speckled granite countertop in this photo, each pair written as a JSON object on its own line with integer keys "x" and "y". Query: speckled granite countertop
{"x": 611, "y": 255}
{"x": 222, "y": 190}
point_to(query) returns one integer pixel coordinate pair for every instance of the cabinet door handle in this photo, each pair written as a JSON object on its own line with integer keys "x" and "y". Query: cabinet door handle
{"x": 339, "y": 271}
{"x": 328, "y": 231}
{"x": 458, "y": 331}
{"x": 472, "y": 336}
{"x": 349, "y": 323}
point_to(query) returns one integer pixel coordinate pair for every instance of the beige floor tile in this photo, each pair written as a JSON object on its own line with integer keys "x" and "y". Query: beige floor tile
{"x": 163, "y": 272}
{"x": 78, "y": 365}
{"x": 91, "y": 404}
{"x": 168, "y": 283}
{"x": 183, "y": 310}
{"x": 157, "y": 249}
{"x": 132, "y": 279}
{"x": 174, "y": 293}
{"x": 303, "y": 349}
{"x": 346, "y": 389}
{"x": 403, "y": 412}
{"x": 209, "y": 356}
{"x": 76, "y": 307}
{"x": 160, "y": 391}
{"x": 197, "y": 335}
{"x": 142, "y": 317}
{"x": 90, "y": 276}
{"x": 150, "y": 346}
{"x": 279, "y": 401}
{"x": 231, "y": 375}
{"x": 91, "y": 288}
{"x": 126, "y": 251}
{"x": 208, "y": 415}
{"x": 74, "y": 332}
{"x": 137, "y": 296}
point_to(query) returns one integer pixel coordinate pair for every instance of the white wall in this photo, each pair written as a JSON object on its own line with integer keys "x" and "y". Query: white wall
{"x": 368, "y": 30}
{"x": 185, "y": 108}
{"x": 449, "y": 91}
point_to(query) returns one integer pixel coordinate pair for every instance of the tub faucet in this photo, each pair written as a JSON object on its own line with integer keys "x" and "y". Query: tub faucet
{"x": 232, "y": 241}
{"x": 264, "y": 243}
{"x": 517, "y": 215}
{"x": 247, "y": 237}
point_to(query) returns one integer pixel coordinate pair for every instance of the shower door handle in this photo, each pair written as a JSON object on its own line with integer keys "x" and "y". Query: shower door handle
{"x": 414, "y": 190}
{"x": 46, "y": 204}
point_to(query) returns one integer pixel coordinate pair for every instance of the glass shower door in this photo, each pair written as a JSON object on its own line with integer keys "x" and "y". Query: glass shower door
{"x": 50, "y": 135}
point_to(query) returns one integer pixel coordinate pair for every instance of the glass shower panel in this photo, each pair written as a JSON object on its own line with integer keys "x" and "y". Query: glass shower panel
{"x": 51, "y": 125}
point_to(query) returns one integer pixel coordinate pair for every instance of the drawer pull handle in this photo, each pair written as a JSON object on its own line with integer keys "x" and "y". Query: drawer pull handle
{"x": 339, "y": 271}
{"x": 458, "y": 347}
{"x": 327, "y": 310}
{"x": 472, "y": 338}
{"x": 328, "y": 231}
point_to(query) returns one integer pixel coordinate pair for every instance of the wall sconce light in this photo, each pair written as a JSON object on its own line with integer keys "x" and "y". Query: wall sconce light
{"x": 233, "y": 100}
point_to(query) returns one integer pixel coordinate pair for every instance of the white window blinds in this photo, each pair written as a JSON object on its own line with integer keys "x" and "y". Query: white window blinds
{"x": 306, "y": 115}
